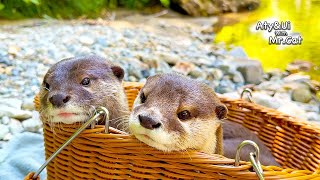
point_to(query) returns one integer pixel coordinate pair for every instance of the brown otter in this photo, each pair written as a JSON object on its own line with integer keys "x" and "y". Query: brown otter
{"x": 74, "y": 87}
{"x": 173, "y": 113}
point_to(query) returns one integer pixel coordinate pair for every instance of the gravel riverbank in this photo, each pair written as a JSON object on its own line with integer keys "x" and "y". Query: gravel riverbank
{"x": 143, "y": 48}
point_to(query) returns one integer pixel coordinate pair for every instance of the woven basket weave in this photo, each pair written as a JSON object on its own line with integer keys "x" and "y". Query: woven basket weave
{"x": 95, "y": 155}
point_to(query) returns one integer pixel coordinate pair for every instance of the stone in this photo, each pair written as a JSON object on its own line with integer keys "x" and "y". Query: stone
{"x": 4, "y": 130}
{"x": 298, "y": 66}
{"x": 312, "y": 116}
{"x": 296, "y": 78}
{"x": 265, "y": 100}
{"x": 22, "y": 115}
{"x": 15, "y": 126}
{"x": 32, "y": 125}
{"x": 85, "y": 40}
{"x": 251, "y": 70}
{"x": 225, "y": 86}
{"x": 169, "y": 58}
{"x": 14, "y": 50}
{"x": 294, "y": 110}
{"x": 183, "y": 67}
{"x": 27, "y": 104}
{"x": 216, "y": 74}
{"x": 5, "y": 120}
{"x": 237, "y": 52}
{"x": 7, "y": 137}
{"x": 198, "y": 73}
{"x": 303, "y": 95}
{"x": 11, "y": 102}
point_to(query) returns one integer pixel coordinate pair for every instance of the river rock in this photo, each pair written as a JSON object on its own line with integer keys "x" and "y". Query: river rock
{"x": 15, "y": 126}
{"x": 21, "y": 115}
{"x": 183, "y": 67}
{"x": 4, "y": 130}
{"x": 250, "y": 69}
{"x": 265, "y": 100}
{"x": 7, "y": 137}
{"x": 237, "y": 52}
{"x": 225, "y": 86}
{"x": 296, "y": 78}
{"x": 5, "y": 120}
{"x": 298, "y": 66}
{"x": 294, "y": 110}
{"x": 169, "y": 58}
{"x": 11, "y": 102}
{"x": 32, "y": 125}
{"x": 85, "y": 40}
{"x": 312, "y": 116}
{"x": 215, "y": 73}
{"x": 303, "y": 95}
{"x": 28, "y": 104}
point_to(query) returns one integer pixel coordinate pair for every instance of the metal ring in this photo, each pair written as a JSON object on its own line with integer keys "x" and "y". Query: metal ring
{"x": 248, "y": 90}
{"x": 100, "y": 111}
{"x": 254, "y": 157}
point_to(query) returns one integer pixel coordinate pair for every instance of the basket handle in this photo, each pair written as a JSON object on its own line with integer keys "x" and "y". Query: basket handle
{"x": 254, "y": 157}
{"x": 249, "y": 95}
{"x": 100, "y": 111}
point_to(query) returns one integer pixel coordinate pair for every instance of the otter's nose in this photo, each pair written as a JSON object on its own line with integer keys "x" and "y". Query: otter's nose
{"x": 148, "y": 122}
{"x": 58, "y": 100}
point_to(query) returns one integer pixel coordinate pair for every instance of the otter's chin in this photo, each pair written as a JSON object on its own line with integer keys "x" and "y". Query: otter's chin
{"x": 69, "y": 119}
{"x": 156, "y": 138}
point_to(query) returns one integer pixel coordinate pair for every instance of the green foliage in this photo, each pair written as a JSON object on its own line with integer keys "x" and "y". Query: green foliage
{"x": 66, "y": 9}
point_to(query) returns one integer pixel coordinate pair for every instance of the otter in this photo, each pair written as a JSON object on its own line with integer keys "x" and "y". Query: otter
{"x": 175, "y": 113}
{"x": 74, "y": 87}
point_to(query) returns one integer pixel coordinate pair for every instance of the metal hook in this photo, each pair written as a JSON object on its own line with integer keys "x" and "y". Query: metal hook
{"x": 100, "y": 111}
{"x": 248, "y": 90}
{"x": 254, "y": 157}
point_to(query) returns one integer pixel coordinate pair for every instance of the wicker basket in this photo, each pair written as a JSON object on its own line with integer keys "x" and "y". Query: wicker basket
{"x": 95, "y": 155}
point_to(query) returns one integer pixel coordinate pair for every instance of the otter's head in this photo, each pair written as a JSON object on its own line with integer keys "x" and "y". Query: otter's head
{"x": 74, "y": 87}
{"x": 173, "y": 113}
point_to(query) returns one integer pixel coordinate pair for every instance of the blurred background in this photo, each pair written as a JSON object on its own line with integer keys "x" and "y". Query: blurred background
{"x": 213, "y": 41}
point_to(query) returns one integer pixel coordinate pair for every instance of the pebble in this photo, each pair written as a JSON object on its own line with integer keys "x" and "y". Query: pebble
{"x": 4, "y": 130}
{"x": 312, "y": 116}
{"x": 302, "y": 95}
{"x": 28, "y": 104}
{"x": 293, "y": 110}
{"x": 32, "y": 125}
{"x": 265, "y": 100}
{"x": 15, "y": 126}
{"x": 5, "y": 120}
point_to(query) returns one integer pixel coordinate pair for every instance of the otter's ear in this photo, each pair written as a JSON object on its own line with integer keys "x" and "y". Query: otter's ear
{"x": 118, "y": 72}
{"x": 221, "y": 111}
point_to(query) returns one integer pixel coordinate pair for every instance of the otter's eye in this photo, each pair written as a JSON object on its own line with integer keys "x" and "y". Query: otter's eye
{"x": 142, "y": 98}
{"x": 46, "y": 86}
{"x": 85, "y": 82}
{"x": 184, "y": 115}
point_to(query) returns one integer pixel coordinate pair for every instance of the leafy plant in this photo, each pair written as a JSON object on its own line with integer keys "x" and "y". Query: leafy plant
{"x": 15, "y": 9}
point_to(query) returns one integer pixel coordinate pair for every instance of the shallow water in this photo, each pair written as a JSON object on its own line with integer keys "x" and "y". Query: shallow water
{"x": 304, "y": 15}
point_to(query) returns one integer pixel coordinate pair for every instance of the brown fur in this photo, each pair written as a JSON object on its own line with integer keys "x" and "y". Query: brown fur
{"x": 234, "y": 134}
{"x": 172, "y": 93}
{"x": 105, "y": 87}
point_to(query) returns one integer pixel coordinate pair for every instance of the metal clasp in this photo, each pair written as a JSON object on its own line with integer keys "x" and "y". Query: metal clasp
{"x": 247, "y": 90}
{"x": 99, "y": 111}
{"x": 254, "y": 157}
